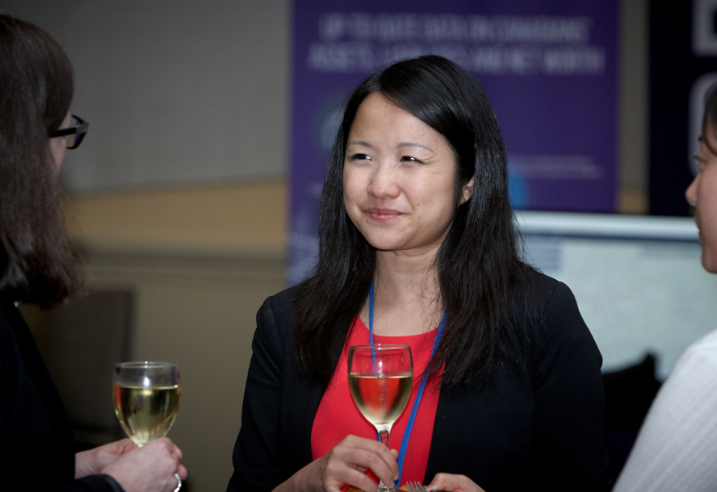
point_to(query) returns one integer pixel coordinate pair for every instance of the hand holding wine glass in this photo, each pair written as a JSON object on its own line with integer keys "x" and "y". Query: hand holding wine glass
{"x": 146, "y": 399}
{"x": 380, "y": 380}
{"x": 155, "y": 467}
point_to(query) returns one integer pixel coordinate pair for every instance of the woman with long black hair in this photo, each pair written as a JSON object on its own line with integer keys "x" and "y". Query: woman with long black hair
{"x": 417, "y": 245}
{"x": 36, "y": 266}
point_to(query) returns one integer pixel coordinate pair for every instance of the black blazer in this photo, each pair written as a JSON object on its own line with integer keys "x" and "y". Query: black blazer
{"x": 536, "y": 424}
{"x": 36, "y": 443}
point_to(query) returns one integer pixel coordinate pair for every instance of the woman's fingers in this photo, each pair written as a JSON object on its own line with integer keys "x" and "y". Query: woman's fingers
{"x": 124, "y": 446}
{"x": 167, "y": 444}
{"x": 346, "y": 464}
{"x": 150, "y": 468}
{"x": 174, "y": 449}
{"x": 365, "y": 453}
{"x": 387, "y": 456}
{"x": 117, "y": 448}
{"x": 355, "y": 478}
{"x": 92, "y": 461}
{"x": 453, "y": 483}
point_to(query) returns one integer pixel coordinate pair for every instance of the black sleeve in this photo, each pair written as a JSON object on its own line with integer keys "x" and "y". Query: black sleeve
{"x": 569, "y": 399}
{"x": 33, "y": 452}
{"x": 92, "y": 483}
{"x": 257, "y": 453}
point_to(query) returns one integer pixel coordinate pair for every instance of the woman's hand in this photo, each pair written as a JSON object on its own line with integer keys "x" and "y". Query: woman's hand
{"x": 453, "y": 483}
{"x": 92, "y": 461}
{"x": 346, "y": 463}
{"x": 150, "y": 468}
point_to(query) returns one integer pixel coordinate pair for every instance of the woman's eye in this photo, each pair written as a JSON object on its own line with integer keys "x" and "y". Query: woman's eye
{"x": 699, "y": 163}
{"x": 408, "y": 158}
{"x": 359, "y": 157}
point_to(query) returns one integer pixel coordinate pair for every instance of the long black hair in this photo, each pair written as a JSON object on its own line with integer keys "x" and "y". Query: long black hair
{"x": 36, "y": 86}
{"x": 478, "y": 263}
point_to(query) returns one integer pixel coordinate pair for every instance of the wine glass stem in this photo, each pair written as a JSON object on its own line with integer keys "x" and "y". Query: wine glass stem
{"x": 383, "y": 435}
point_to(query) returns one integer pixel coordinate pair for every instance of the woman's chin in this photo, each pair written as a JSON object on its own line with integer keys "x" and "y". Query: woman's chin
{"x": 385, "y": 247}
{"x": 384, "y": 242}
{"x": 709, "y": 262}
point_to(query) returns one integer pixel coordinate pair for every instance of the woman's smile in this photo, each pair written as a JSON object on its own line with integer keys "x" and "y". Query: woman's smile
{"x": 383, "y": 214}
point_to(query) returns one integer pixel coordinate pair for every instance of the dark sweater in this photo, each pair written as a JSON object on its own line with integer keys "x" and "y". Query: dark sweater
{"x": 537, "y": 424}
{"x": 36, "y": 443}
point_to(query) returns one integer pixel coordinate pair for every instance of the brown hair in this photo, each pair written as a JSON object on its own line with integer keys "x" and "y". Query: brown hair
{"x": 36, "y": 86}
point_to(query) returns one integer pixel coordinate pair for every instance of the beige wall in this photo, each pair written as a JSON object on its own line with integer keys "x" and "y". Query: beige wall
{"x": 247, "y": 217}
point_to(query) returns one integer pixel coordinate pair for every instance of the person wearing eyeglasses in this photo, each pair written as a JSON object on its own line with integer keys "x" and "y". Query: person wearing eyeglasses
{"x": 36, "y": 266}
{"x": 73, "y": 130}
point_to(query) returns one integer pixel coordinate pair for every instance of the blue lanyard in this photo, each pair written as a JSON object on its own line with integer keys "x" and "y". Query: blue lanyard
{"x": 419, "y": 395}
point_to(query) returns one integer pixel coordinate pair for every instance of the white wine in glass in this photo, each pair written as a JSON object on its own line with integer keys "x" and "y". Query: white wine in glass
{"x": 146, "y": 398}
{"x": 380, "y": 380}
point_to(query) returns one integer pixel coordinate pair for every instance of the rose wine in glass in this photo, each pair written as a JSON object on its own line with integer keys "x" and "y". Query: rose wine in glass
{"x": 380, "y": 380}
{"x": 146, "y": 398}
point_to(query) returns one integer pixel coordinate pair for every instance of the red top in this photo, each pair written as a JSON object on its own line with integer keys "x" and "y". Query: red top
{"x": 338, "y": 415}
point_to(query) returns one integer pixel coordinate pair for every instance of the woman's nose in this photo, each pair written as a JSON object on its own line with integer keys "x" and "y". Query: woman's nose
{"x": 691, "y": 191}
{"x": 383, "y": 182}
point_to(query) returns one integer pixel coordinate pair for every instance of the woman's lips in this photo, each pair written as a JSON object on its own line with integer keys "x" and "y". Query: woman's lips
{"x": 383, "y": 213}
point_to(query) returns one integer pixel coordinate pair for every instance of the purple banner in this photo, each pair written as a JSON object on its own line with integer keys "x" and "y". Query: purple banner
{"x": 548, "y": 67}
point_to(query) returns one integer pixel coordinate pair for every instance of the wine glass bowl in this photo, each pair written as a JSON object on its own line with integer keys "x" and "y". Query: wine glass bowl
{"x": 146, "y": 398}
{"x": 380, "y": 381}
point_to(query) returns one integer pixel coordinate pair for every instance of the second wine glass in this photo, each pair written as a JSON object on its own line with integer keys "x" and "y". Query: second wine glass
{"x": 380, "y": 380}
{"x": 146, "y": 398}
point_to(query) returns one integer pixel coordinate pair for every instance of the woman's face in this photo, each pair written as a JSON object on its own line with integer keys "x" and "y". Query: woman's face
{"x": 398, "y": 179}
{"x": 702, "y": 194}
{"x": 58, "y": 145}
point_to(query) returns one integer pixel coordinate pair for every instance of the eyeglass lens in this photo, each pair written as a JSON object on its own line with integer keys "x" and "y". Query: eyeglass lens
{"x": 73, "y": 140}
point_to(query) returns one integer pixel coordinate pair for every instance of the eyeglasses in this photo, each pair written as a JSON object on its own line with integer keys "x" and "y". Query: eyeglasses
{"x": 74, "y": 134}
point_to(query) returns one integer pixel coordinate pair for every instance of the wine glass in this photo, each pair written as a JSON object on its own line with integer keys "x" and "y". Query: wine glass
{"x": 380, "y": 380}
{"x": 146, "y": 398}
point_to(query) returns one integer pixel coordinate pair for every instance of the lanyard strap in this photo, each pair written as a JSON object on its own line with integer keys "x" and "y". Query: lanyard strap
{"x": 422, "y": 386}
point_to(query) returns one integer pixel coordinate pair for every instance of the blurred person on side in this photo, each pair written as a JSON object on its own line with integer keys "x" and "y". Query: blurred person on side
{"x": 36, "y": 266}
{"x": 677, "y": 445}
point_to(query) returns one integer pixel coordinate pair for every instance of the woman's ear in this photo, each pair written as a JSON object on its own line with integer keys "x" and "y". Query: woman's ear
{"x": 467, "y": 191}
